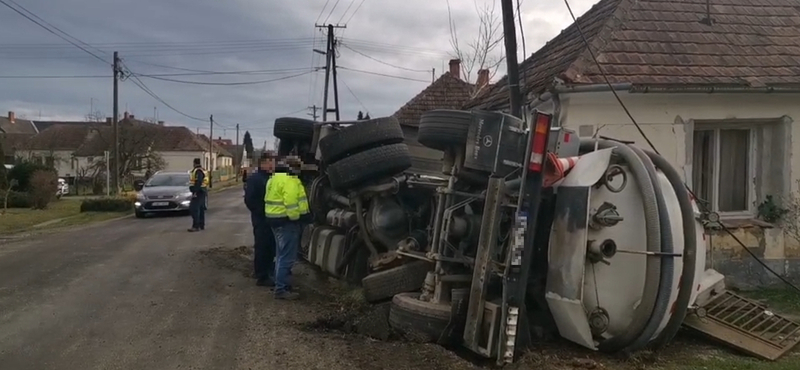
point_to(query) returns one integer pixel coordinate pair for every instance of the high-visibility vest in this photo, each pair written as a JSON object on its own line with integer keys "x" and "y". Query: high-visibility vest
{"x": 193, "y": 177}
{"x": 285, "y": 197}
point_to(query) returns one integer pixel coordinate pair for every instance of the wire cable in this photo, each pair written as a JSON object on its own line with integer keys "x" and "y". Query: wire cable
{"x": 331, "y": 13}
{"x": 385, "y": 63}
{"x": 53, "y": 32}
{"x": 353, "y": 94}
{"x": 140, "y": 84}
{"x": 322, "y": 11}
{"x": 227, "y": 83}
{"x": 383, "y": 75}
{"x": 345, "y": 11}
{"x": 355, "y": 11}
{"x": 209, "y": 73}
{"x": 653, "y": 147}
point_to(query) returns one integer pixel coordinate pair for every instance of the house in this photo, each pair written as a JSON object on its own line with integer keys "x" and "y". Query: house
{"x": 55, "y": 147}
{"x": 719, "y": 99}
{"x": 221, "y": 158}
{"x": 10, "y": 124}
{"x": 449, "y": 91}
{"x": 13, "y": 145}
{"x": 44, "y": 125}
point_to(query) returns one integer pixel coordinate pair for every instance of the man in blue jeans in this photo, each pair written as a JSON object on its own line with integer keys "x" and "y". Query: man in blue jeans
{"x": 263, "y": 239}
{"x": 286, "y": 207}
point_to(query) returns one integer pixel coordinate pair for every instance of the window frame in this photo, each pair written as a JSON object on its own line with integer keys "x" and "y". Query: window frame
{"x": 752, "y": 157}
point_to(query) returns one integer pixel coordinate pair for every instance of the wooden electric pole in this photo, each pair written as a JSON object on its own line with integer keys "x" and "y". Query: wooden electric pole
{"x": 115, "y": 123}
{"x": 211, "y": 151}
{"x": 510, "y": 36}
{"x": 314, "y": 108}
{"x": 330, "y": 67}
{"x": 236, "y": 156}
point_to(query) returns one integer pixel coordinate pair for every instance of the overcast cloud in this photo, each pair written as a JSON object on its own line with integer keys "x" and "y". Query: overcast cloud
{"x": 156, "y": 37}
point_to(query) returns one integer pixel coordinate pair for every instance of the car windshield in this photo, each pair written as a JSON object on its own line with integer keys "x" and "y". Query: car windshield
{"x": 168, "y": 180}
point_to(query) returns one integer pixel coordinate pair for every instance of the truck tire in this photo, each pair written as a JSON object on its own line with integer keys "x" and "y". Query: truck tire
{"x": 372, "y": 164}
{"x": 293, "y": 128}
{"x": 401, "y": 279}
{"x": 360, "y": 136}
{"x": 419, "y": 320}
{"x": 443, "y": 129}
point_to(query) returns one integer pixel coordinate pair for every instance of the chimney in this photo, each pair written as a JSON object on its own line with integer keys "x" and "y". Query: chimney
{"x": 125, "y": 115}
{"x": 483, "y": 78}
{"x": 12, "y": 117}
{"x": 455, "y": 68}
{"x": 161, "y": 123}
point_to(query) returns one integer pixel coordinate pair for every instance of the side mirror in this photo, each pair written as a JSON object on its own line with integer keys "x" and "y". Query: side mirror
{"x": 138, "y": 185}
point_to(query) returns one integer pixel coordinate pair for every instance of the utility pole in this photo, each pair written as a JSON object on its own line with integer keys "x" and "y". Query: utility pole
{"x": 210, "y": 151}
{"x": 433, "y": 75}
{"x": 115, "y": 122}
{"x": 236, "y": 156}
{"x": 330, "y": 66}
{"x": 510, "y": 37}
{"x": 313, "y": 113}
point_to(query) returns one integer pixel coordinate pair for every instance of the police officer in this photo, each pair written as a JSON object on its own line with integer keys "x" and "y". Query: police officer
{"x": 263, "y": 239}
{"x": 198, "y": 185}
{"x": 286, "y": 206}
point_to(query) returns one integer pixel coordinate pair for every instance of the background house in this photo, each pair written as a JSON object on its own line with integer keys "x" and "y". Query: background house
{"x": 10, "y": 124}
{"x": 719, "y": 101}
{"x": 56, "y": 147}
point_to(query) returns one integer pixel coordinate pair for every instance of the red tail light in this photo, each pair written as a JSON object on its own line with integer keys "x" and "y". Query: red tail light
{"x": 539, "y": 141}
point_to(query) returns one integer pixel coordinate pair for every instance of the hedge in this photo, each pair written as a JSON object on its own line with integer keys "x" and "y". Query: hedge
{"x": 107, "y": 205}
{"x": 16, "y": 199}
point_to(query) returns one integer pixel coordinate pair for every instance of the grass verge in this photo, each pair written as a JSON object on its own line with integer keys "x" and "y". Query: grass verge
{"x": 60, "y": 213}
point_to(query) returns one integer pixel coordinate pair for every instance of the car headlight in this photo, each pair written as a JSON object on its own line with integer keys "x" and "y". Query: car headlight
{"x": 139, "y": 196}
{"x": 187, "y": 194}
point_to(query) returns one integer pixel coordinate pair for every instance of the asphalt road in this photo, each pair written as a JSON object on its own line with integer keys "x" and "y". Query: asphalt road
{"x": 145, "y": 294}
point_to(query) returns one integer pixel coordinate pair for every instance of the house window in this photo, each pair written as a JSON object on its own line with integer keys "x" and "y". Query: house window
{"x": 722, "y": 168}
{"x": 8, "y": 159}
{"x": 90, "y": 160}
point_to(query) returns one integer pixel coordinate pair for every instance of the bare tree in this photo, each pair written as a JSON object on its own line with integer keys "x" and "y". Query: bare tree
{"x": 135, "y": 148}
{"x": 485, "y": 51}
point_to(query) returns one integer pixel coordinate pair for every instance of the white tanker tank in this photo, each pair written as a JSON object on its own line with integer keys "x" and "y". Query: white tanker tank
{"x": 627, "y": 250}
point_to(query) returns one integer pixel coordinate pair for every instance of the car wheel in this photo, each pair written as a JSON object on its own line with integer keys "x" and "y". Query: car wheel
{"x": 405, "y": 278}
{"x": 420, "y": 320}
{"x": 443, "y": 129}
{"x": 372, "y": 164}
{"x": 139, "y": 214}
{"x": 359, "y": 136}
{"x": 293, "y": 128}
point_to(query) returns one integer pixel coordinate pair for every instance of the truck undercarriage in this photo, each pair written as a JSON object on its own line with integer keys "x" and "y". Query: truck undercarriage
{"x": 526, "y": 232}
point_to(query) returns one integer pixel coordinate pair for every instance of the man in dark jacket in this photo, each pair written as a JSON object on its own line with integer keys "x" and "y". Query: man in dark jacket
{"x": 198, "y": 185}
{"x": 264, "y": 240}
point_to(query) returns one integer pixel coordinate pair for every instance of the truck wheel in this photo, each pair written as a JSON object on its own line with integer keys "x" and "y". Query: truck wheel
{"x": 372, "y": 164}
{"x": 360, "y": 136}
{"x": 385, "y": 284}
{"x": 420, "y": 320}
{"x": 293, "y": 128}
{"x": 443, "y": 129}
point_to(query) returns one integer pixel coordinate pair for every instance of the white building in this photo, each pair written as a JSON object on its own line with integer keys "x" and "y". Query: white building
{"x": 720, "y": 103}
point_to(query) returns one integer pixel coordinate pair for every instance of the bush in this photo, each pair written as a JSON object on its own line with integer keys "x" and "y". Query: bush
{"x": 16, "y": 199}
{"x": 23, "y": 173}
{"x": 43, "y": 185}
{"x": 106, "y": 205}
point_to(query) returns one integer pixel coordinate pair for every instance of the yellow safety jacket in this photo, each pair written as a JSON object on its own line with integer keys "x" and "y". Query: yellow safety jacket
{"x": 285, "y": 197}
{"x": 193, "y": 177}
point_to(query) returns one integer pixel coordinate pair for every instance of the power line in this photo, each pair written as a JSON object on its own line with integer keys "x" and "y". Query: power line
{"x": 209, "y": 73}
{"x": 384, "y": 75}
{"x": 227, "y": 83}
{"x": 355, "y": 11}
{"x": 354, "y": 95}
{"x": 51, "y": 31}
{"x": 346, "y": 10}
{"x": 322, "y": 11}
{"x": 331, "y": 13}
{"x": 140, "y": 84}
{"x": 160, "y": 45}
{"x": 386, "y": 63}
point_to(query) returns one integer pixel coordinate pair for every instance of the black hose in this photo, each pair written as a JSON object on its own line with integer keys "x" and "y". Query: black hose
{"x": 686, "y": 283}
{"x": 661, "y": 307}
{"x": 653, "y": 231}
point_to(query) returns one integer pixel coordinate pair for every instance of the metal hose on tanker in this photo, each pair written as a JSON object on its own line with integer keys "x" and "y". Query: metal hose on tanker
{"x": 651, "y": 291}
{"x": 689, "y": 250}
{"x": 661, "y": 307}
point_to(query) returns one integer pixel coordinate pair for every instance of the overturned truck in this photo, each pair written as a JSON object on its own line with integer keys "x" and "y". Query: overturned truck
{"x": 487, "y": 232}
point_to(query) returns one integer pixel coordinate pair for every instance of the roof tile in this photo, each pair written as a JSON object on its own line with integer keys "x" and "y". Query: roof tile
{"x": 447, "y": 92}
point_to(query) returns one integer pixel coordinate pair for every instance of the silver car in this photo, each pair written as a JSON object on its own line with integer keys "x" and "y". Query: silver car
{"x": 163, "y": 192}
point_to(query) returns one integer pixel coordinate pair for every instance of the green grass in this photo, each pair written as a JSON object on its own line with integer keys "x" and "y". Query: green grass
{"x": 60, "y": 213}
{"x": 784, "y": 301}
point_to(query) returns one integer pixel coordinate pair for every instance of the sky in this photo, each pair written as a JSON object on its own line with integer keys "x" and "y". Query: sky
{"x": 245, "y": 62}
